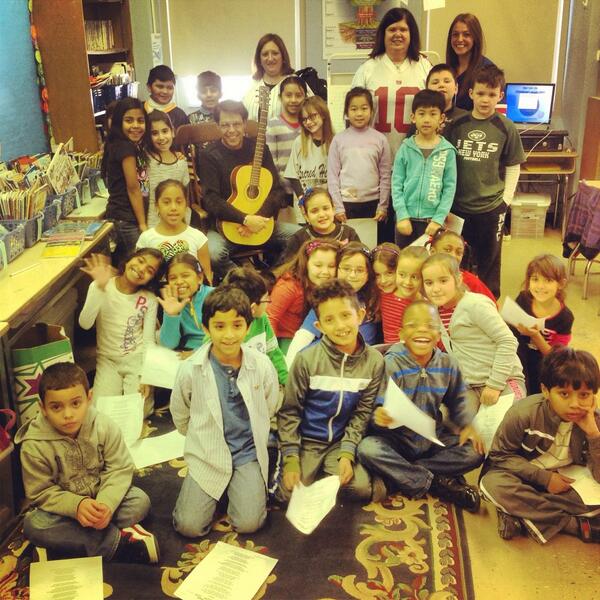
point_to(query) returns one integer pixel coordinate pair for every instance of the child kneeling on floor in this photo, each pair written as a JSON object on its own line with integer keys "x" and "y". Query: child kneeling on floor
{"x": 77, "y": 474}
{"x": 329, "y": 398}
{"x": 222, "y": 401}
{"x": 538, "y": 436}
{"x": 407, "y": 461}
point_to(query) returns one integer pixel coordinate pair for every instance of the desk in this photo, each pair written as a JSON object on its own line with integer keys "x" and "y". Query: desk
{"x": 555, "y": 164}
{"x": 94, "y": 209}
{"x": 4, "y": 390}
{"x": 31, "y": 282}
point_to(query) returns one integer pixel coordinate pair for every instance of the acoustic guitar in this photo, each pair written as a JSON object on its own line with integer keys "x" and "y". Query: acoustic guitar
{"x": 251, "y": 184}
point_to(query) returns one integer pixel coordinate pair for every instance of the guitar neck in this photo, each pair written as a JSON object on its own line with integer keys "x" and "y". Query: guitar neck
{"x": 261, "y": 139}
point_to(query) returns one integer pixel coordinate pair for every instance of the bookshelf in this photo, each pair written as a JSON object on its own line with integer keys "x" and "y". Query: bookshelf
{"x": 68, "y": 62}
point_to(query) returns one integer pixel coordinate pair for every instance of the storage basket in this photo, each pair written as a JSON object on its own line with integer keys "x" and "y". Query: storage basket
{"x": 14, "y": 242}
{"x": 33, "y": 228}
{"x": 51, "y": 213}
{"x": 528, "y": 215}
{"x": 68, "y": 201}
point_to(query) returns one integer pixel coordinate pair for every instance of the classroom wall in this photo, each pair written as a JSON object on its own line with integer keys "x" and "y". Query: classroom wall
{"x": 21, "y": 122}
{"x": 222, "y": 36}
{"x": 519, "y": 34}
{"x": 582, "y": 69}
{"x": 141, "y": 29}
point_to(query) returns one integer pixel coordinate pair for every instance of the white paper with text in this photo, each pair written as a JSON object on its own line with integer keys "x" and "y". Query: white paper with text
{"x": 227, "y": 573}
{"x": 309, "y": 505}
{"x": 403, "y": 412}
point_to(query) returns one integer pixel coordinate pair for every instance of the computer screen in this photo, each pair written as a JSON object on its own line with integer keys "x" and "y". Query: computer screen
{"x": 529, "y": 102}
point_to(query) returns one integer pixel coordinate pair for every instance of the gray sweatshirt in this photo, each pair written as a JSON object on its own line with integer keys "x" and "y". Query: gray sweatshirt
{"x": 59, "y": 471}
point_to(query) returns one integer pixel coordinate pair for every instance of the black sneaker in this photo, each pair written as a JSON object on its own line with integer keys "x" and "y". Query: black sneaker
{"x": 509, "y": 526}
{"x": 455, "y": 491}
{"x": 589, "y": 529}
{"x": 137, "y": 546}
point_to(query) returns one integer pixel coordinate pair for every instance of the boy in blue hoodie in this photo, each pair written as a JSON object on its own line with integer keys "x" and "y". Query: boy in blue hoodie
{"x": 424, "y": 174}
{"x": 406, "y": 461}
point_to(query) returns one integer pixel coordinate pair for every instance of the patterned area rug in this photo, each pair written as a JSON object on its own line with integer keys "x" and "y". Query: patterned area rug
{"x": 399, "y": 549}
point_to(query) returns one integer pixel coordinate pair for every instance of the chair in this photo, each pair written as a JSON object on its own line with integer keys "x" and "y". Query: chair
{"x": 192, "y": 137}
{"x": 583, "y": 229}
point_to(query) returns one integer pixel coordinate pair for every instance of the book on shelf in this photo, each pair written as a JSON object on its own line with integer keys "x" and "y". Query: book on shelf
{"x": 88, "y": 229}
{"x": 63, "y": 245}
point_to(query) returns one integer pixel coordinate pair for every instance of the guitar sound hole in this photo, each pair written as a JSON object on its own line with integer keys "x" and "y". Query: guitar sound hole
{"x": 252, "y": 192}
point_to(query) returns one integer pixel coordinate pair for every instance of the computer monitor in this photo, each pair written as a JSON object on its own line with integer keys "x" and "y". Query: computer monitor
{"x": 529, "y": 103}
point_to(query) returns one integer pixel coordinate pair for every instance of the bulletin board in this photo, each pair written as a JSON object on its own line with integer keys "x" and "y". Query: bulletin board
{"x": 349, "y": 25}
{"x": 21, "y": 122}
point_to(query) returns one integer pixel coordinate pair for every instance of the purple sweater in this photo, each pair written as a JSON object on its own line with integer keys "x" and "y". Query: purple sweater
{"x": 359, "y": 168}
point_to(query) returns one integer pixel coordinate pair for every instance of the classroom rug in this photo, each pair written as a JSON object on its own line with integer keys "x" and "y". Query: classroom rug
{"x": 398, "y": 549}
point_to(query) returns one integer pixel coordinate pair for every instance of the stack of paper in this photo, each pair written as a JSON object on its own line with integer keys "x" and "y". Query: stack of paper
{"x": 514, "y": 315}
{"x": 488, "y": 418}
{"x": 310, "y": 505}
{"x": 404, "y": 413}
{"x": 70, "y": 579}
{"x": 160, "y": 367}
{"x": 227, "y": 573}
{"x": 126, "y": 411}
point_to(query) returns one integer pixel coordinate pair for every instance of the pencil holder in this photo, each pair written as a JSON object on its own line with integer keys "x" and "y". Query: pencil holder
{"x": 33, "y": 228}
{"x": 13, "y": 241}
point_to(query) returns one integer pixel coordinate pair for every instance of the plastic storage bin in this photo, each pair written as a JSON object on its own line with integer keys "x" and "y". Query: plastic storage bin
{"x": 51, "y": 213}
{"x": 13, "y": 242}
{"x": 33, "y": 228}
{"x": 528, "y": 215}
{"x": 68, "y": 201}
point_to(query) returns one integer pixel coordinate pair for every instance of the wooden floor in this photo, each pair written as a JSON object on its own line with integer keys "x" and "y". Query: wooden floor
{"x": 520, "y": 569}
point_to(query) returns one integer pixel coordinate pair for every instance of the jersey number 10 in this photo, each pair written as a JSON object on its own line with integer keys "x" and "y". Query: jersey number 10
{"x": 398, "y": 106}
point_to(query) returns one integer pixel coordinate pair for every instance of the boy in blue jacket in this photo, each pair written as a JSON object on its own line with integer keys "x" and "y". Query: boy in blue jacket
{"x": 408, "y": 462}
{"x": 424, "y": 174}
{"x": 329, "y": 398}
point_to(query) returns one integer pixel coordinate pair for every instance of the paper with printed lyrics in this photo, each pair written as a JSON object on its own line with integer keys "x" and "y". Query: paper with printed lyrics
{"x": 488, "y": 419}
{"x": 227, "y": 573}
{"x": 514, "y": 315}
{"x": 309, "y": 505}
{"x": 403, "y": 412}
{"x": 421, "y": 240}
{"x": 160, "y": 367}
{"x": 157, "y": 449}
{"x": 366, "y": 230}
{"x": 126, "y": 411}
{"x": 454, "y": 223}
{"x": 585, "y": 484}
{"x": 70, "y": 579}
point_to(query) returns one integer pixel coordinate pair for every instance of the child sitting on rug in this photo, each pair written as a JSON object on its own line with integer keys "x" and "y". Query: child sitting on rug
{"x": 222, "y": 401}
{"x": 77, "y": 474}
{"x": 538, "y": 436}
{"x": 407, "y": 461}
{"x": 329, "y": 398}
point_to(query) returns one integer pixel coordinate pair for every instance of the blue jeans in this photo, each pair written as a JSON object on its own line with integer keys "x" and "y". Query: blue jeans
{"x": 127, "y": 235}
{"x": 66, "y": 537}
{"x": 412, "y": 474}
{"x": 221, "y": 249}
{"x": 247, "y": 508}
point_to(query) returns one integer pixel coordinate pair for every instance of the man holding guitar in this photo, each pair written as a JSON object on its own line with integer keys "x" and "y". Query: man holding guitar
{"x": 242, "y": 193}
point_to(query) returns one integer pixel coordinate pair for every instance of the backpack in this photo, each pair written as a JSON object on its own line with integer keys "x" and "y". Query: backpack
{"x": 310, "y": 76}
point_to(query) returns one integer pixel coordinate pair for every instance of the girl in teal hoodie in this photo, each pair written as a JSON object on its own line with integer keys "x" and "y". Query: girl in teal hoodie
{"x": 182, "y": 300}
